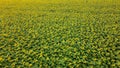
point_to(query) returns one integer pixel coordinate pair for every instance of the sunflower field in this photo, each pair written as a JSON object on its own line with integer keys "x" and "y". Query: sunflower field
{"x": 59, "y": 33}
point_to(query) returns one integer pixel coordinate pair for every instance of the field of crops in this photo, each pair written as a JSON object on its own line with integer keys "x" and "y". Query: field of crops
{"x": 59, "y": 33}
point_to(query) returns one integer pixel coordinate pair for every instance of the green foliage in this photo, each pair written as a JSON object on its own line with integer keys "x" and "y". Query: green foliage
{"x": 56, "y": 34}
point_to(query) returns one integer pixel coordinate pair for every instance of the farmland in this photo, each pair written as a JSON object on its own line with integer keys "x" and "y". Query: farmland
{"x": 59, "y": 34}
